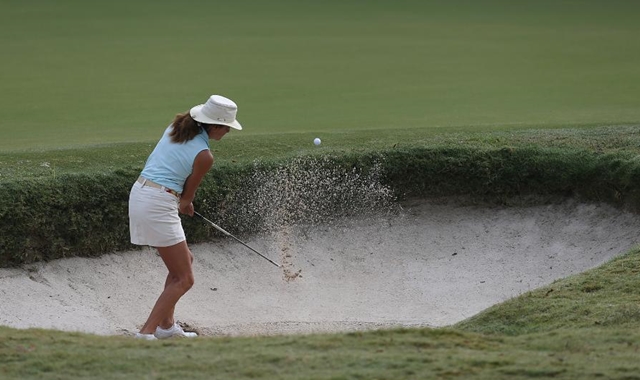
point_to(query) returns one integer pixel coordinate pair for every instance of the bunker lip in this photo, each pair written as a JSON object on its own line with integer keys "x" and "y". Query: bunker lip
{"x": 430, "y": 265}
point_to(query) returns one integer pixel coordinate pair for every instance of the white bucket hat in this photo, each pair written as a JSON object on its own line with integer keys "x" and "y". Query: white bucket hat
{"x": 217, "y": 110}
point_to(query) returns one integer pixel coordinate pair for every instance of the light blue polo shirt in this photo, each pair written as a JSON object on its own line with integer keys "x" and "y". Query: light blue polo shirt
{"x": 171, "y": 163}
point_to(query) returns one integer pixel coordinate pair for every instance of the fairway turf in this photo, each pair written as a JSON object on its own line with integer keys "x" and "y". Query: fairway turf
{"x": 76, "y": 73}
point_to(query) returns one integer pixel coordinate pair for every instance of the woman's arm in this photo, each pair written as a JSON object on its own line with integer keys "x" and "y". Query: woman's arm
{"x": 201, "y": 165}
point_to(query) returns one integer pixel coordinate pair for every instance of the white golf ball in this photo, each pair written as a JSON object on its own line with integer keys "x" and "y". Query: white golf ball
{"x": 317, "y": 141}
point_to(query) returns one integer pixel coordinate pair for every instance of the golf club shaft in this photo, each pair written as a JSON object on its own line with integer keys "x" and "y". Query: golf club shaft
{"x": 236, "y": 239}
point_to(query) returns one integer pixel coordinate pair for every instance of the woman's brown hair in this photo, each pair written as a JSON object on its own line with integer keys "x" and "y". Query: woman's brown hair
{"x": 185, "y": 128}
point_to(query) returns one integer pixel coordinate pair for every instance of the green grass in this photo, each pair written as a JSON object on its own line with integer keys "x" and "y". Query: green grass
{"x": 608, "y": 296}
{"x": 570, "y": 329}
{"x": 237, "y": 147}
{"x": 83, "y": 74}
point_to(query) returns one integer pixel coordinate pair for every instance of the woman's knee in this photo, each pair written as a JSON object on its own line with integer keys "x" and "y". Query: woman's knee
{"x": 185, "y": 282}
{"x": 190, "y": 280}
{"x": 178, "y": 259}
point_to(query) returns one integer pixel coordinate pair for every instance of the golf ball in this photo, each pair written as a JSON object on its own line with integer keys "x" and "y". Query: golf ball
{"x": 317, "y": 141}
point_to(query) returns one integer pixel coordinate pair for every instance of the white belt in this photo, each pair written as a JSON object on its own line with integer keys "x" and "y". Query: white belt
{"x": 145, "y": 182}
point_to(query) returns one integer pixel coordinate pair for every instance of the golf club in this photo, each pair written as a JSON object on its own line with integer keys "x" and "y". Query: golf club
{"x": 238, "y": 240}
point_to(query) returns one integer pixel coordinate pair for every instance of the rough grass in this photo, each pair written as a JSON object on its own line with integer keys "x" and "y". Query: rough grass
{"x": 608, "y": 296}
{"x": 45, "y": 206}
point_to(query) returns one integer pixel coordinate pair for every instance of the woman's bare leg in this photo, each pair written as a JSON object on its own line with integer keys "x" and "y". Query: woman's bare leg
{"x": 178, "y": 259}
{"x": 169, "y": 319}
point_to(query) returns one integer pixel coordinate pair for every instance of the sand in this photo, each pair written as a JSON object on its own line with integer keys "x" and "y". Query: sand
{"x": 433, "y": 264}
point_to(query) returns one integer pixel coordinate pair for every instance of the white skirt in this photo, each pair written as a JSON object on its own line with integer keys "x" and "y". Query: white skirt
{"x": 153, "y": 217}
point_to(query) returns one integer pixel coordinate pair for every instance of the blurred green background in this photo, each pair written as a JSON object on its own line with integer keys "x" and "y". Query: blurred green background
{"x": 78, "y": 73}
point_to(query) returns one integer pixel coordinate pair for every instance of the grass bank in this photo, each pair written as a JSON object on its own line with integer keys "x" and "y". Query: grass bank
{"x": 77, "y": 203}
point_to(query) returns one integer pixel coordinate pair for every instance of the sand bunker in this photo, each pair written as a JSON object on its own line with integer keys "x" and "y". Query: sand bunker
{"x": 432, "y": 265}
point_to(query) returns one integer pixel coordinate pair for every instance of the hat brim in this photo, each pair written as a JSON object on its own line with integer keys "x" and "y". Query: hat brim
{"x": 196, "y": 114}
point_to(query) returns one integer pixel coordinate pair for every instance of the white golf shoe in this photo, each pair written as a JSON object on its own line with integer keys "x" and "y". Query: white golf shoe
{"x": 145, "y": 336}
{"x": 173, "y": 331}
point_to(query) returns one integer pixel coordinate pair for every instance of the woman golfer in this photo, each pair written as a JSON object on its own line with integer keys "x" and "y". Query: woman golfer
{"x": 166, "y": 187}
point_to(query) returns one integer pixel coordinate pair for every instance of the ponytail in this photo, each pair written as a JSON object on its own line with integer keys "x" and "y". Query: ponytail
{"x": 184, "y": 128}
